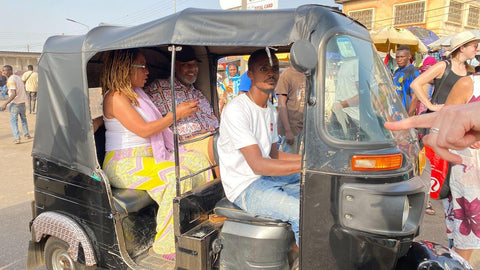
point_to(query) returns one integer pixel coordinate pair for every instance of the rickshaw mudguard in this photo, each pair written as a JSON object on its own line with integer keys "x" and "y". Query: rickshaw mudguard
{"x": 429, "y": 255}
{"x": 65, "y": 229}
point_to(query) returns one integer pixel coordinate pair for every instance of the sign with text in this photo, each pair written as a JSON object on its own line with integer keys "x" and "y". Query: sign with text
{"x": 262, "y": 4}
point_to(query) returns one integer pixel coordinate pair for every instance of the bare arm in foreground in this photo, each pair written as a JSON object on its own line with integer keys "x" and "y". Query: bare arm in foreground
{"x": 459, "y": 127}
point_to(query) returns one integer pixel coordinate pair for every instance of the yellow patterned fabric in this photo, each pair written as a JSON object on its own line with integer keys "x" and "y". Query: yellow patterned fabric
{"x": 202, "y": 146}
{"x": 135, "y": 168}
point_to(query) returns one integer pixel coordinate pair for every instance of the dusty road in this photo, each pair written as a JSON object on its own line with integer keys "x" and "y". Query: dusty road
{"x": 17, "y": 193}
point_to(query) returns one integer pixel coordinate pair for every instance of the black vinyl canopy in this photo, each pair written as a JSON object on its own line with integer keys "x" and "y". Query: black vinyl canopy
{"x": 64, "y": 129}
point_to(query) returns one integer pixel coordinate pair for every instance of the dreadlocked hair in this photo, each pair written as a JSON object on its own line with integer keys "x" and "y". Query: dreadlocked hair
{"x": 115, "y": 76}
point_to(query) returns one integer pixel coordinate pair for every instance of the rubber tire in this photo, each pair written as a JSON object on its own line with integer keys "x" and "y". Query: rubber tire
{"x": 57, "y": 257}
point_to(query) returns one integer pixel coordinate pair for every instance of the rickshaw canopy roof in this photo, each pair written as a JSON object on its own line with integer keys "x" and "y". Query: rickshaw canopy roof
{"x": 64, "y": 129}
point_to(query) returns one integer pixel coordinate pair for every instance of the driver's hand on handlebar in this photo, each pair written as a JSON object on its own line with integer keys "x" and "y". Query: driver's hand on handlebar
{"x": 187, "y": 108}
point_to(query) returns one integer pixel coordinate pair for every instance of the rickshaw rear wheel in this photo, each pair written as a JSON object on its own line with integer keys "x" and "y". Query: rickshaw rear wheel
{"x": 57, "y": 257}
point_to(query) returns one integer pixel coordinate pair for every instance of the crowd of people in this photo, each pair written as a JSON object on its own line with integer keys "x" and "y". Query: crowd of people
{"x": 443, "y": 87}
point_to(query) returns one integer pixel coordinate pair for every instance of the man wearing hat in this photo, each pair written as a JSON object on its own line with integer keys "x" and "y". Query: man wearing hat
{"x": 201, "y": 122}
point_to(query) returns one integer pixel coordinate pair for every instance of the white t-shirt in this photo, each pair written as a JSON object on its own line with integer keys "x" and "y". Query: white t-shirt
{"x": 243, "y": 123}
{"x": 14, "y": 82}
{"x": 347, "y": 86}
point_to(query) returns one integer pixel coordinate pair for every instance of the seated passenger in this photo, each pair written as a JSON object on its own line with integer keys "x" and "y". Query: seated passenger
{"x": 139, "y": 144}
{"x": 203, "y": 120}
{"x": 255, "y": 175}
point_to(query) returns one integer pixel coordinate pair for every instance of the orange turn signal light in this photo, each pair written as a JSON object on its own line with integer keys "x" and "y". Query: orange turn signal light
{"x": 376, "y": 162}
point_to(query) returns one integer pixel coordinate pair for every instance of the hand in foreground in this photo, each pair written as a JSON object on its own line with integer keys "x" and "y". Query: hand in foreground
{"x": 456, "y": 127}
{"x": 186, "y": 109}
{"x": 3, "y": 107}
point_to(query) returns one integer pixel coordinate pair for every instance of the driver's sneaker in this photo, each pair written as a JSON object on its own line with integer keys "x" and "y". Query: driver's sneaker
{"x": 28, "y": 137}
{"x": 16, "y": 142}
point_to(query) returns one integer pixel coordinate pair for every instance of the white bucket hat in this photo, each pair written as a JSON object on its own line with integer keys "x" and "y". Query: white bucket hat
{"x": 461, "y": 39}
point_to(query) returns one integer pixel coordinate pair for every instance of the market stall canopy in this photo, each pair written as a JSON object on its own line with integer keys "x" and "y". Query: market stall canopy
{"x": 425, "y": 35}
{"x": 444, "y": 42}
{"x": 389, "y": 38}
{"x": 281, "y": 57}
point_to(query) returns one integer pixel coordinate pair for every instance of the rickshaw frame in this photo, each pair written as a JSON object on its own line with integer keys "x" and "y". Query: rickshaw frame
{"x": 72, "y": 190}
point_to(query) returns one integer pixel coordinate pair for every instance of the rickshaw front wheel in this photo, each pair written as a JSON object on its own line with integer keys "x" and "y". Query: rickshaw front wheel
{"x": 57, "y": 257}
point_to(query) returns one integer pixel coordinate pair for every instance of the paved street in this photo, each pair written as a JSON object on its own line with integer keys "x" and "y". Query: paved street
{"x": 17, "y": 193}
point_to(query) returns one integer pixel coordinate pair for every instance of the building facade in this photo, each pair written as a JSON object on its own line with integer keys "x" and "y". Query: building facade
{"x": 19, "y": 60}
{"x": 443, "y": 17}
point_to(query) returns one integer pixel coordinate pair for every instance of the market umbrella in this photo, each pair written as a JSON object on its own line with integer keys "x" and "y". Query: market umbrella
{"x": 280, "y": 56}
{"x": 445, "y": 41}
{"x": 425, "y": 35}
{"x": 389, "y": 38}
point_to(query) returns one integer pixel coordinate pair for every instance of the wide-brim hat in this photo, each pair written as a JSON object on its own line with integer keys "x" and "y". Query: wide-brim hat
{"x": 187, "y": 54}
{"x": 461, "y": 39}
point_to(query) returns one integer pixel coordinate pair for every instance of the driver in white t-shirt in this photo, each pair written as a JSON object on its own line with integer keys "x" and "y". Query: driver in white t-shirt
{"x": 255, "y": 175}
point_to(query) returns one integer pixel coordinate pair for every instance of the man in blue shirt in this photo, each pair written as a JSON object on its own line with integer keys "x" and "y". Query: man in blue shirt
{"x": 245, "y": 83}
{"x": 403, "y": 77}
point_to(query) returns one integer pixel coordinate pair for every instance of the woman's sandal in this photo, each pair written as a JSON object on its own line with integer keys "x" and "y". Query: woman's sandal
{"x": 429, "y": 209}
{"x": 169, "y": 257}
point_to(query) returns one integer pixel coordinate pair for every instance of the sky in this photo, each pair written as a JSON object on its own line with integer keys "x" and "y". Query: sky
{"x": 28, "y": 23}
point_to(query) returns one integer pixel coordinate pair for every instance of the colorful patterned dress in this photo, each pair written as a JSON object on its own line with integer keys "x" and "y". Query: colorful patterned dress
{"x": 462, "y": 208}
{"x": 136, "y": 167}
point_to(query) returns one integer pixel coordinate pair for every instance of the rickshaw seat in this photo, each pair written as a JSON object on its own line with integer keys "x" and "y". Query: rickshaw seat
{"x": 229, "y": 210}
{"x": 126, "y": 200}
{"x": 130, "y": 200}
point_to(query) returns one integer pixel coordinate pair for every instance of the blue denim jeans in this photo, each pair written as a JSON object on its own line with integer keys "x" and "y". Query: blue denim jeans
{"x": 3, "y": 90}
{"x": 276, "y": 197}
{"x": 295, "y": 148}
{"x": 15, "y": 111}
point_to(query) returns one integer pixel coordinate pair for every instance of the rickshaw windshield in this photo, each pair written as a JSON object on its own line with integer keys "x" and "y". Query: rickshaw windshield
{"x": 359, "y": 95}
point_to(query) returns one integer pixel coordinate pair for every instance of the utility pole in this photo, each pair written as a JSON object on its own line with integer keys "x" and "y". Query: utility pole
{"x": 244, "y": 4}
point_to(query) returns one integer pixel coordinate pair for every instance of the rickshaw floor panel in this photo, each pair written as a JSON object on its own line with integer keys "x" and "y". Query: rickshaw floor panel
{"x": 139, "y": 230}
{"x": 151, "y": 262}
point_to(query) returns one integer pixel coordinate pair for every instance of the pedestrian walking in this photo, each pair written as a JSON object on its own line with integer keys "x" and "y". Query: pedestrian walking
{"x": 428, "y": 62}
{"x": 446, "y": 73}
{"x": 462, "y": 207}
{"x": 3, "y": 85}
{"x": 291, "y": 95}
{"x": 30, "y": 79}
{"x": 17, "y": 97}
{"x": 403, "y": 77}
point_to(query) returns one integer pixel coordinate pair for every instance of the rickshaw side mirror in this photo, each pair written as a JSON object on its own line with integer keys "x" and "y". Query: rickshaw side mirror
{"x": 303, "y": 56}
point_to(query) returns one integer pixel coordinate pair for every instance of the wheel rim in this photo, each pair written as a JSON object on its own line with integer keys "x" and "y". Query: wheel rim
{"x": 62, "y": 261}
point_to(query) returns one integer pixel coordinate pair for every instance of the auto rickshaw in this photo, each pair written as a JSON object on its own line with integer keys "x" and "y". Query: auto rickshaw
{"x": 362, "y": 197}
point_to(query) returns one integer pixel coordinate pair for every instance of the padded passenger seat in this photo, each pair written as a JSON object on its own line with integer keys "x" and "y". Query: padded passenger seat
{"x": 130, "y": 200}
{"x": 126, "y": 200}
{"x": 227, "y": 209}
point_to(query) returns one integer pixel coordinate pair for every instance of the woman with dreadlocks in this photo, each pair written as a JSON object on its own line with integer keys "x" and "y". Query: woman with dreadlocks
{"x": 139, "y": 144}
